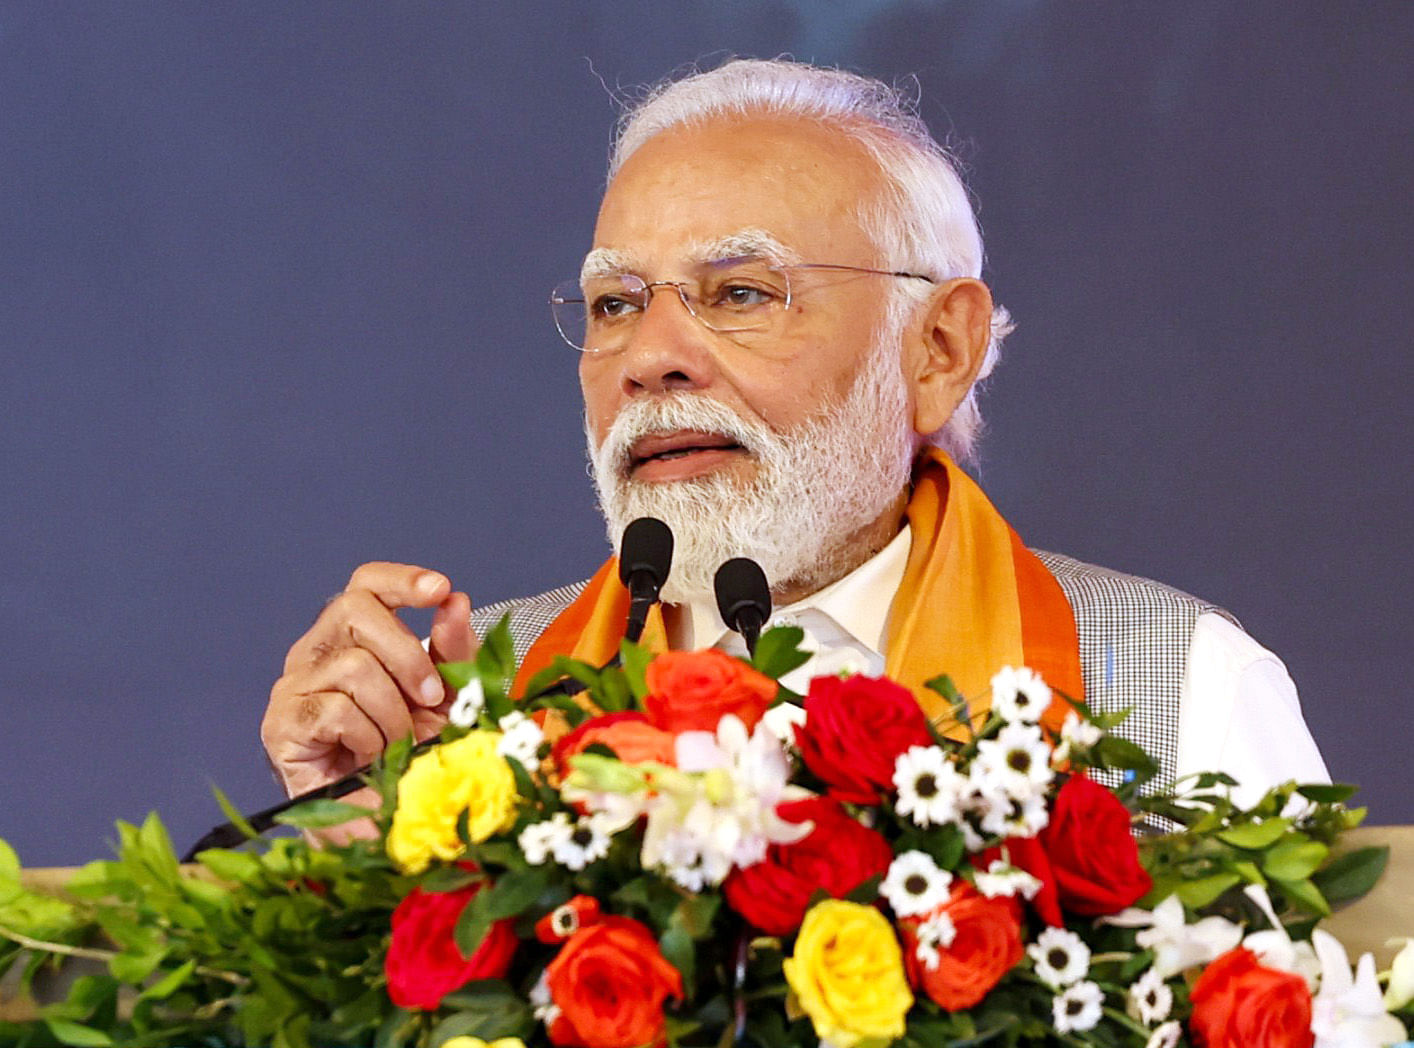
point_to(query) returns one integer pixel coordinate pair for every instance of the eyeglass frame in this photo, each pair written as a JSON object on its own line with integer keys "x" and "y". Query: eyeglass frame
{"x": 680, "y": 286}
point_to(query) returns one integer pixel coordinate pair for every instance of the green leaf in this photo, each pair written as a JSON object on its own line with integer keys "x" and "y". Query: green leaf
{"x": 1198, "y": 893}
{"x": 233, "y": 866}
{"x": 635, "y": 659}
{"x": 457, "y": 674}
{"x": 134, "y": 966}
{"x": 321, "y": 813}
{"x": 1115, "y": 752}
{"x": 9, "y": 864}
{"x": 169, "y": 983}
{"x": 488, "y": 1009}
{"x": 1351, "y": 875}
{"x": 448, "y": 879}
{"x": 778, "y": 651}
{"x": 1322, "y": 793}
{"x": 1255, "y": 835}
{"x": 513, "y": 893}
{"x": 612, "y": 691}
{"x": 67, "y": 1032}
{"x": 497, "y": 655}
{"x": 233, "y": 814}
{"x": 1294, "y": 860}
{"x": 679, "y": 951}
{"x": 1305, "y": 894}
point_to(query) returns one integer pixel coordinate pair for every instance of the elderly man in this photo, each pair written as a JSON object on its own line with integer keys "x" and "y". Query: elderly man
{"x": 782, "y": 328}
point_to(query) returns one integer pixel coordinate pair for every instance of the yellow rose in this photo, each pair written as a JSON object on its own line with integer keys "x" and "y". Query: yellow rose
{"x": 466, "y": 775}
{"x": 476, "y": 1042}
{"x": 847, "y": 974}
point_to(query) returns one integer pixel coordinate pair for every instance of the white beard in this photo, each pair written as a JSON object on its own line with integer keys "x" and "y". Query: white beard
{"x": 817, "y": 485}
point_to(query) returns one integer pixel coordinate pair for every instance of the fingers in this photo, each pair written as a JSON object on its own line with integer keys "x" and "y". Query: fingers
{"x": 359, "y": 620}
{"x": 400, "y": 585}
{"x": 452, "y": 639}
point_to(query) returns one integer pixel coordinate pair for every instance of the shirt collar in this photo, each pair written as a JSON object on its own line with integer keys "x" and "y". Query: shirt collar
{"x": 858, "y": 603}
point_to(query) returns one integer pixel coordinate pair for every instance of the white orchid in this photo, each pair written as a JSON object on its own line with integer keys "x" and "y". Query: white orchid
{"x": 1401, "y": 977}
{"x": 1178, "y": 946}
{"x": 1348, "y": 1012}
{"x": 1275, "y": 948}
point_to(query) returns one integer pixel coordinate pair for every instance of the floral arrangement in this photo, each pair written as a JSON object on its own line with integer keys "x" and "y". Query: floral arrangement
{"x": 685, "y": 853}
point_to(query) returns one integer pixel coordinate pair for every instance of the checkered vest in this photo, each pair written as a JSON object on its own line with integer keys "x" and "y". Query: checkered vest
{"x": 1134, "y": 639}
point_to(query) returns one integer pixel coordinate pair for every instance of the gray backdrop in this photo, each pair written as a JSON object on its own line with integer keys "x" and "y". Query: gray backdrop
{"x": 272, "y": 286}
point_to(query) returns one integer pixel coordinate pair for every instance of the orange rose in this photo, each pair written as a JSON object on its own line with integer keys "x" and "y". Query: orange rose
{"x": 609, "y": 981}
{"x": 1237, "y": 1002}
{"x": 629, "y": 735}
{"x": 986, "y": 946}
{"x": 693, "y": 690}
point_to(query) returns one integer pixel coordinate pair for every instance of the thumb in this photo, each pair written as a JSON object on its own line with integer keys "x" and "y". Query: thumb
{"x": 452, "y": 639}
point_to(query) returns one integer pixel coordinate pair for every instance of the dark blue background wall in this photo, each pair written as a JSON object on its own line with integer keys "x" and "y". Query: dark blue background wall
{"x": 272, "y": 285}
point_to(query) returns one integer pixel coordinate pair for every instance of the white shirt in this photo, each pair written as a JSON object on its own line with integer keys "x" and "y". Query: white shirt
{"x": 1239, "y": 710}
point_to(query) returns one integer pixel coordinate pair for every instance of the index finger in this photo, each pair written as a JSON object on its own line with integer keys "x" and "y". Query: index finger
{"x": 401, "y": 585}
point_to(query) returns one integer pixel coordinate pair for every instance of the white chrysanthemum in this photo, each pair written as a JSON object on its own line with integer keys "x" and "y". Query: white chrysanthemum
{"x": 468, "y": 704}
{"x": 1166, "y": 1036}
{"x": 1149, "y": 1000}
{"x": 1075, "y": 734}
{"x": 542, "y": 1004}
{"x": 1013, "y": 817}
{"x": 1078, "y": 1008}
{"x": 1019, "y": 695}
{"x": 1001, "y": 878}
{"x": 938, "y": 931}
{"x": 782, "y": 720}
{"x": 1017, "y": 761}
{"x": 930, "y": 789}
{"x": 538, "y": 840}
{"x": 1061, "y": 958}
{"x": 586, "y": 842}
{"x": 915, "y": 884}
{"x": 520, "y": 739}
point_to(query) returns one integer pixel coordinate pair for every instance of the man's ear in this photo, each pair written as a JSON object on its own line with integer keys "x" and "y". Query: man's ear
{"x": 948, "y": 348}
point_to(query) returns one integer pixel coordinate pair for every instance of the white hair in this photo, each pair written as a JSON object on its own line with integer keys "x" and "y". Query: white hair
{"x": 922, "y": 222}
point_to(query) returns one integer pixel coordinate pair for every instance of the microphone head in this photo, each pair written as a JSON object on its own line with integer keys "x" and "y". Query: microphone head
{"x": 647, "y": 546}
{"x": 740, "y": 585}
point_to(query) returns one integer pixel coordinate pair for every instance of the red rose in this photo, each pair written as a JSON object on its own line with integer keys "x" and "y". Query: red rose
{"x": 632, "y": 738}
{"x": 609, "y": 982}
{"x": 423, "y": 963}
{"x": 1094, "y": 856}
{"x": 836, "y": 857}
{"x": 1238, "y": 1003}
{"x": 693, "y": 690}
{"x": 855, "y": 728}
{"x": 986, "y": 945}
{"x": 1026, "y": 853}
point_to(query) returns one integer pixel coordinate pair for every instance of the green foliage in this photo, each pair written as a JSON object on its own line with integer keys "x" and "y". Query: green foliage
{"x": 778, "y": 651}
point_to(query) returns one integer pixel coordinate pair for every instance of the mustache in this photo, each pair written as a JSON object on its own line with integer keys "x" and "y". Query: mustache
{"x": 672, "y": 413}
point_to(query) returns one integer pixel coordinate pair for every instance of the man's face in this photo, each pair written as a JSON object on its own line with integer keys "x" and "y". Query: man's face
{"x": 788, "y": 449}
{"x": 688, "y": 188}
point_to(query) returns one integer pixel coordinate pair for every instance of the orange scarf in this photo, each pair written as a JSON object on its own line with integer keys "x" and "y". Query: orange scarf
{"x": 973, "y": 599}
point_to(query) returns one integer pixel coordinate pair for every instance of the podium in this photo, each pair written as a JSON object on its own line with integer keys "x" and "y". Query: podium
{"x": 1366, "y": 925}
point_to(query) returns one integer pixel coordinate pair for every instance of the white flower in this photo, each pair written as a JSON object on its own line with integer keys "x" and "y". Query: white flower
{"x": 937, "y": 931}
{"x": 782, "y": 720}
{"x": 1017, "y": 762}
{"x": 915, "y": 884}
{"x": 539, "y": 839}
{"x": 1075, "y": 734}
{"x": 520, "y": 739}
{"x": 1178, "y": 946}
{"x": 1401, "y": 977}
{"x": 1166, "y": 1036}
{"x": 1078, "y": 1008}
{"x": 1275, "y": 948}
{"x": 1349, "y": 1013}
{"x": 1149, "y": 1000}
{"x": 1061, "y": 958}
{"x": 930, "y": 788}
{"x": 1001, "y": 878}
{"x": 1020, "y": 694}
{"x": 1017, "y": 818}
{"x": 468, "y": 704}
{"x": 586, "y": 842}
{"x": 717, "y": 809}
{"x": 542, "y": 1004}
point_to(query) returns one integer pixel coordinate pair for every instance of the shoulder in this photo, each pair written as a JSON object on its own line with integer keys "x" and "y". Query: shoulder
{"x": 1098, "y": 592}
{"x": 529, "y": 616}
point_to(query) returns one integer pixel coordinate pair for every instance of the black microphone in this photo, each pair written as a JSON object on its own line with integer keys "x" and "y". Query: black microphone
{"x": 743, "y": 598}
{"x": 645, "y": 558}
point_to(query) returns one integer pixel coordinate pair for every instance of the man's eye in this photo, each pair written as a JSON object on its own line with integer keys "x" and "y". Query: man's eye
{"x": 744, "y": 296}
{"x": 612, "y": 307}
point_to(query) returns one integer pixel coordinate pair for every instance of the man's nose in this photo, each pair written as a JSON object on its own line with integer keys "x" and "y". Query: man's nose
{"x": 669, "y": 348}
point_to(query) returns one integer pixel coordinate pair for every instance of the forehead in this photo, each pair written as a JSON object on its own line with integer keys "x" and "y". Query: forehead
{"x": 801, "y": 183}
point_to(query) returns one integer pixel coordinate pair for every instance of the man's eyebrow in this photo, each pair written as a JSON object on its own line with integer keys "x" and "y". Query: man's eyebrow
{"x": 744, "y": 243}
{"x": 605, "y": 262}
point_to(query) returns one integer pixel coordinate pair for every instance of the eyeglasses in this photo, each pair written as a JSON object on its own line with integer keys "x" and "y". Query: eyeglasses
{"x": 744, "y": 297}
